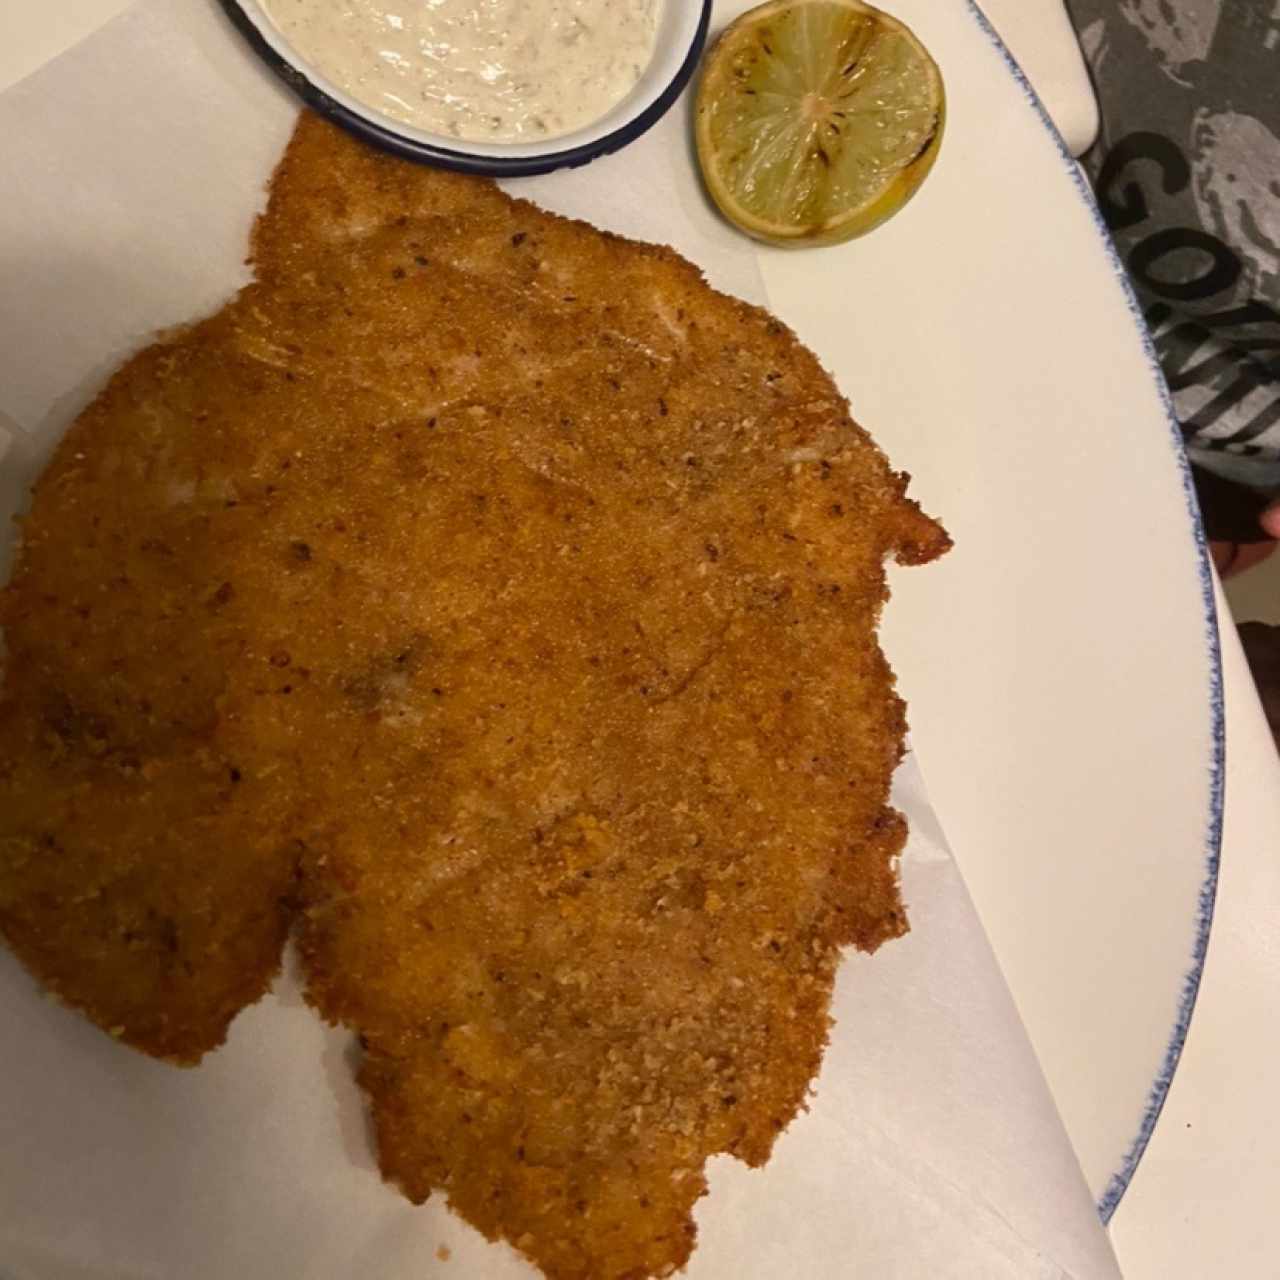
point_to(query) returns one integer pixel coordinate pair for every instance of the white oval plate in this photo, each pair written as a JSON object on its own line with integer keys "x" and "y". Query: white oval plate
{"x": 1070, "y": 725}
{"x": 1071, "y": 730}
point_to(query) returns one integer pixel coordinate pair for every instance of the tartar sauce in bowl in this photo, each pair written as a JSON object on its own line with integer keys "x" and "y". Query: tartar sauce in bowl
{"x": 477, "y": 70}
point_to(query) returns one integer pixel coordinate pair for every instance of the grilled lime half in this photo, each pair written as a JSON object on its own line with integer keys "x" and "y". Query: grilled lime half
{"x": 817, "y": 120}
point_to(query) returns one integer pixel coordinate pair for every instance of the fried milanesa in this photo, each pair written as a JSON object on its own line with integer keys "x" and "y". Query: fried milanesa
{"x": 487, "y": 600}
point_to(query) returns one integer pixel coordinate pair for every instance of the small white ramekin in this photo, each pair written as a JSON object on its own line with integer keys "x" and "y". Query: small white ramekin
{"x": 681, "y": 35}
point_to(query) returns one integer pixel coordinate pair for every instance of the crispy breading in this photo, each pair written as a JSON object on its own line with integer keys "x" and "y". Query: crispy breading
{"x": 487, "y": 600}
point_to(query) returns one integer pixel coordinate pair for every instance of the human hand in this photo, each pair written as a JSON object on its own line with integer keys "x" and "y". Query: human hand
{"x": 1233, "y": 557}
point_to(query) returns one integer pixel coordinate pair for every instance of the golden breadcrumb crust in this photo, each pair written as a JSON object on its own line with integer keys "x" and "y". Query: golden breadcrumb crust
{"x": 487, "y": 601}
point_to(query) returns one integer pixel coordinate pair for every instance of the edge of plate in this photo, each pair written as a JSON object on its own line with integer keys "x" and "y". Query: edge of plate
{"x": 1119, "y": 1181}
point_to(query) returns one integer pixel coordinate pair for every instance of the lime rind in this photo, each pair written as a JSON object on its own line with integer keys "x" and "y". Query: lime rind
{"x": 817, "y": 119}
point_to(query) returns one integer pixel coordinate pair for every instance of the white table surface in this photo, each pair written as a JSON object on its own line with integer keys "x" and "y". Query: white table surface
{"x": 1203, "y": 1200}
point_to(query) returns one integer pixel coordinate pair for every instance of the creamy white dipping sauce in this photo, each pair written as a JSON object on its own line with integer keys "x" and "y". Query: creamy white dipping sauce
{"x": 478, "y": 70}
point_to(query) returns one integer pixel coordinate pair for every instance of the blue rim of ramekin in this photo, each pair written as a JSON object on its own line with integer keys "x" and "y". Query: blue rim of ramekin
{"x": 386, "y": 138}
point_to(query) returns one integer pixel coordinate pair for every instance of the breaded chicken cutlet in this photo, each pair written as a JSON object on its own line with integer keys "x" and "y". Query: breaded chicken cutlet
{"x": 486, "y": 602}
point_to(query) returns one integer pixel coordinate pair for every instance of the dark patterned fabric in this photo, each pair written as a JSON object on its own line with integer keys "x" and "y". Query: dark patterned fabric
{"x": 1187, "y": 172}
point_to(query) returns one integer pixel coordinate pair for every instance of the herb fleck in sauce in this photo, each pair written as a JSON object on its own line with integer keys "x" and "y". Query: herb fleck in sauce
{"x": 477, "y": 70}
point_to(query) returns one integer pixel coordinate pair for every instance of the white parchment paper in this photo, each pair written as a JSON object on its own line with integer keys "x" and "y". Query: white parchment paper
{"x": 131, "y": 169}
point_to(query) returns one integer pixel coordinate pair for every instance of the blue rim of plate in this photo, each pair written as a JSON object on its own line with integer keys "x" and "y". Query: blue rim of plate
{"x": 387, "y": 139}
{"x": 1119, "y": 1181}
